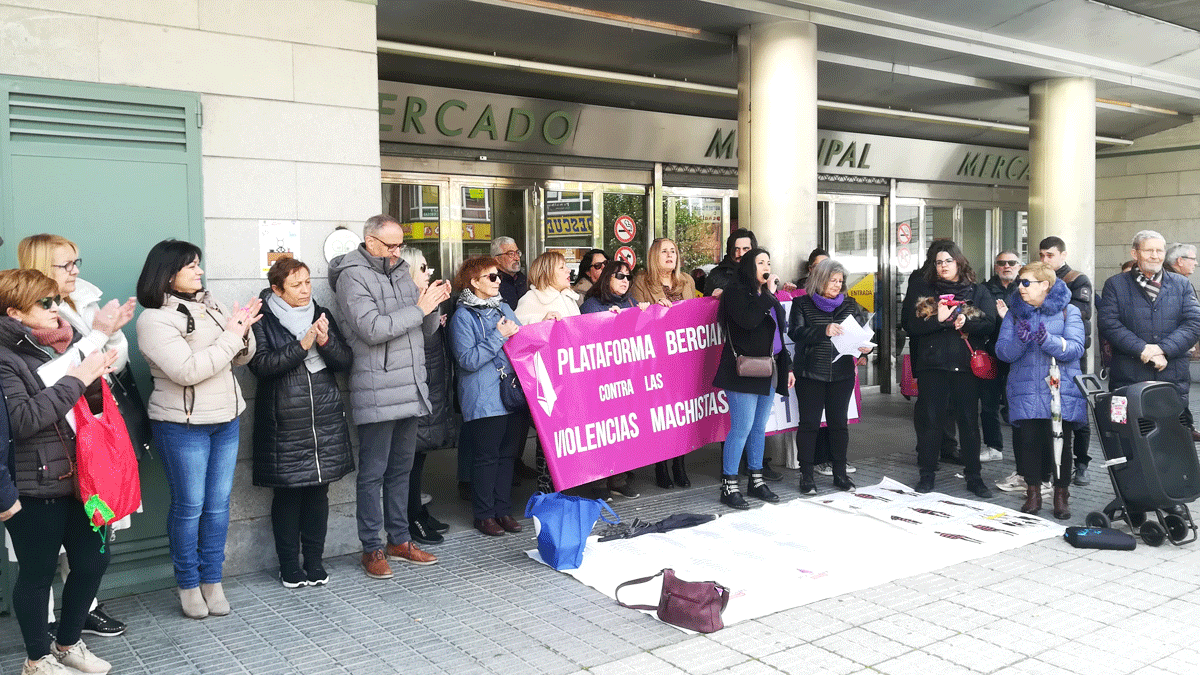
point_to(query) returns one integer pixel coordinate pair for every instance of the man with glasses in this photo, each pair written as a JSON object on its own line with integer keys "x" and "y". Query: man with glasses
{"x": 513, "y": 282}
{"x": 1181, "y": 259}
{"x": 1004, "y": 272}
{"x": 388, "y": 319}
{"x": 1053, "y": 252}
{"x": 1151, "y": 317}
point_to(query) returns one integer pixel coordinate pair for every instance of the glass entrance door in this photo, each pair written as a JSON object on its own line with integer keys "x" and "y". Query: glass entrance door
{"x": 698, "y": 220}
{"x": 854, "y": 240}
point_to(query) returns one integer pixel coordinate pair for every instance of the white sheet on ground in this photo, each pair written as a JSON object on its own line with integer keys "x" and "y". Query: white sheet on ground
{"x": 782, "y": 556}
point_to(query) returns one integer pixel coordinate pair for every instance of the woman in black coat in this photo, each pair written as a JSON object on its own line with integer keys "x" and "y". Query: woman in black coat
{"x": 822, "y": 383}
{"x": 753, "y": 321}
{"x": 944, "y": 309}
{"x": 301, "y": 438}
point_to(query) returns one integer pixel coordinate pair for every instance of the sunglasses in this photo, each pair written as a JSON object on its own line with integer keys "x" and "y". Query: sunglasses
{"x": 49, "y": 301}
{"x": 70, "y": 265}
{"x": 491, "y": 277}
{"x": 598, "y": 265}
{"x": 1008, "y": 263}
{"x": 620, "y": 276}
{"x": 1026, "y": 282}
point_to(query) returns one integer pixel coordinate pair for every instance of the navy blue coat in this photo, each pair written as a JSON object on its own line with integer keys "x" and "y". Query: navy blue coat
{"x": 1129, "y": 321}
{"x": 1028, "y": 392}
{"x": 478, "y": 349}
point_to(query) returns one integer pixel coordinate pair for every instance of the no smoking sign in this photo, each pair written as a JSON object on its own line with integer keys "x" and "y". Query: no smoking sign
{"x": 625, "y": 229}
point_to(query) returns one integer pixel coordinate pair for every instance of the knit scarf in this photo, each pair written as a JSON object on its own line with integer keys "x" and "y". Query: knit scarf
{"x": 297, "y": 321}
{"x": 467, "y": 297}
{"x": 827, "y": 305}
{"x": 57, "y": 339}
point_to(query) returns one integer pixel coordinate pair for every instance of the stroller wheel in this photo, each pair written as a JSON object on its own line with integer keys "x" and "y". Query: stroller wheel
{"x": 1137, "y": 518}
{"x": 1097, "y": 519}
{"x": 1152, "y": 533}
{"x": 1177, "y": 527}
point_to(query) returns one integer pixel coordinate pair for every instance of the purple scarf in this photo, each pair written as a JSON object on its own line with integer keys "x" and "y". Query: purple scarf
{"x": 827, "y": 305}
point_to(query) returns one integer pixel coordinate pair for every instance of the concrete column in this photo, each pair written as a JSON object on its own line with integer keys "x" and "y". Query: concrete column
{"x": 777, "y": 140}
{"x": 1062, "y": 158}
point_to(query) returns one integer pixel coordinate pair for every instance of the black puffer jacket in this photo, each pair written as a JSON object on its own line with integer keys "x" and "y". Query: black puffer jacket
{"x": 814, "y": 351}
{"x": 44, "y": 454}
{"x": 940, "y": 345}
{"x": 438, "y": 429}
{"x": 301, "y": 436}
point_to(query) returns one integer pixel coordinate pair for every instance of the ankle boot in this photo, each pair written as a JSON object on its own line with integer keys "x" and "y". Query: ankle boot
{"x": 1061, "y": 510}
{"x": 843, "y": 482}
{"x": 758, "y": 488}
{"x": 1033, "y": 499}
{"x": 808, "y": 486}
{"x": 214, "y": 597}
{"x": 679, "y": 472}
{"x": 662, "y": 476}
{"x": 731, "y": 496}
{"x": 193, "y": 603}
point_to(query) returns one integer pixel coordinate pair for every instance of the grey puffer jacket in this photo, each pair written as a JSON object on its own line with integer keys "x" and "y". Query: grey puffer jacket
{"x": 386, "y": 331}
{"x": 191, "y": 357}
{"x": 44, "y": 443}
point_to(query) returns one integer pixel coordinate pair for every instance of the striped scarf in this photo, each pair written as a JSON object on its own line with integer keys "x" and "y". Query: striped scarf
{"x": 1150, "y": 285}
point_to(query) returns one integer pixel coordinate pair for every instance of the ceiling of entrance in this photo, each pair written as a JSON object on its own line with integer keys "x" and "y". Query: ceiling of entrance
{"x": 953, "y": 70}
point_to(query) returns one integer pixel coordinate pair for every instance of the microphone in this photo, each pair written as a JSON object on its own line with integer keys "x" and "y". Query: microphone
{"x": 766, "y": 275}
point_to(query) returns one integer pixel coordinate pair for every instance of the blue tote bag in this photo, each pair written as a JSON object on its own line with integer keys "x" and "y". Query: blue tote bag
{"x": 565, "y": 523}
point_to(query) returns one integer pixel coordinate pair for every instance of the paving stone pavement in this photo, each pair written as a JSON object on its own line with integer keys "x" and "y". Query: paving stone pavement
{"x": 485, "y": 607}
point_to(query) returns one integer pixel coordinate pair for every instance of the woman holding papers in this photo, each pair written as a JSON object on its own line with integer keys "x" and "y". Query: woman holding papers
{"x": 40, "y": 508}
{"x": 949, "y": 315}
{"x": 824, "y": 373}
{"x": 753, "y": 362}
{"x": 1042, "y": 334}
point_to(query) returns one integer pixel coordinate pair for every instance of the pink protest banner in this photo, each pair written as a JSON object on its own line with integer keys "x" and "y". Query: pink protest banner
{"x": 614, "y": 392}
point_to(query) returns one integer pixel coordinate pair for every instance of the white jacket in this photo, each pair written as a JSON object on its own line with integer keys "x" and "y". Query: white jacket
{"x": 87, "y": 302}
{"x": 534, "y": 305}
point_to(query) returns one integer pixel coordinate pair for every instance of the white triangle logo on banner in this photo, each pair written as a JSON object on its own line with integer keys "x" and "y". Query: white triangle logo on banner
{"x": 545, "y": 391}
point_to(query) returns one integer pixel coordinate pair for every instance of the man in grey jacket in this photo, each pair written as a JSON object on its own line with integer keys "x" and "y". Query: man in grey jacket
{"x": 387, "y": 319}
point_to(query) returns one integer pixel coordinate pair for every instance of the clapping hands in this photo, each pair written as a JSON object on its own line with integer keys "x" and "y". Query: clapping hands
{"x": 113, "y": 316}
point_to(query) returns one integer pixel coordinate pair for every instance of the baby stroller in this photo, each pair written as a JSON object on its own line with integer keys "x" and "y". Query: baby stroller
{"x": 1150, "y": 458}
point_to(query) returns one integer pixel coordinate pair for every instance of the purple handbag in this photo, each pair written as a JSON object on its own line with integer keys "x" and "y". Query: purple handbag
{"x": 694, "y": 605}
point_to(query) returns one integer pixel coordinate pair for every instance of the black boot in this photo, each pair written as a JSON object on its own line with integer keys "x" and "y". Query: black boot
{"x": 662, "y": 476}
{"x": 758, "y": 488}
{"x": 926, "y": 483}
{"x": 843, "y": 483}
{"x": 769, "y": 473}
{"x": 432, "y": 523}
{"x": 808, "y": 486}
{"x": 423, "y": 534}
{"x": 679, "y": 472}
{"x": 731, "y": 496}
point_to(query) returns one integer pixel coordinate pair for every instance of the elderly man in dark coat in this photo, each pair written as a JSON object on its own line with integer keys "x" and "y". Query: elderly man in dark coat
{"x": 1151, "y": 318}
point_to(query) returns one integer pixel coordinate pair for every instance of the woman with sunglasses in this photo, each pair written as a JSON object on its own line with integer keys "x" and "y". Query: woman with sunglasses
{"x": 58, "y": 258}
{"x": 438, "y": 428}
{"x": 479, "y": 328}
{"x": 1042, "y": 328}
{"x": 301, "y": 440}
{"x": 44, "y": 513}
{"x": 191, "y": 343}
{"x": 661, "y": 282}
{"x": 948, "y": 316}
{"x": 590, "y": 267}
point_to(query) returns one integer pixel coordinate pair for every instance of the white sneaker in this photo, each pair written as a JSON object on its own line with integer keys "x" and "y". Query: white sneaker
{"x": 1012, "y": 483}
{"x": 80, "y": 658}
{"x": 47, "y": 665}
{"x": 990, "y": 455}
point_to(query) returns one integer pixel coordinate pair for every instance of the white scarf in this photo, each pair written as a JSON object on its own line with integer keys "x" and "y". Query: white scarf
{"x": 297, "y": 321}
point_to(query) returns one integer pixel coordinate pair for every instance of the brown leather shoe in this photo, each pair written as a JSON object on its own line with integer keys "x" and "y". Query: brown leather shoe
{"x": 408, "y": 552}
{"x": 375, "y": 565}
{"x": 509, "y": 524}
{"x": 1195, "y": 436}
{"x": 1061, "y": 510}
{"x": 490, "y": 527}
{"x": 1033, "y": 499}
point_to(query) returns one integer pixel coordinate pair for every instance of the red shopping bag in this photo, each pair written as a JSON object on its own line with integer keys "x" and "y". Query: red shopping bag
{"x": 106, "y": 466}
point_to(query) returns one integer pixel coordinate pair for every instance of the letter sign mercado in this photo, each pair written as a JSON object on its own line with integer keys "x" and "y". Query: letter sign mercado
{"x": 453, "y": 116}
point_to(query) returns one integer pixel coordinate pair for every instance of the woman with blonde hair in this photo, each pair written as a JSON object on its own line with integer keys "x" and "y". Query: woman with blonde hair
{"x": 550, "y": 296}
{"x": 663, "y": 283}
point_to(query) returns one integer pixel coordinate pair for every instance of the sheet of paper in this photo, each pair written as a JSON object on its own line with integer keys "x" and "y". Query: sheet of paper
{"x": 853, "y": 336}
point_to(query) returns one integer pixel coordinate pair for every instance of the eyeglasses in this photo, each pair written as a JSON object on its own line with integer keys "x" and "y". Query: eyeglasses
{"x": 942, "y": 262}
{"x": 70, "y": 265}
{"x": 48, "y": 301}
{"x": 621, "y": 276}
{"x": 598, "y": 265}
{"x": 1007, "y": 263}
{"x": 1187, "y": 257}
{"x": 424, "y": 268}
{"x": 391, "y": 248}
{"x": 493, "y": 277}
{"x": 515, "y": 251}
{"x": 1026, "y": 282}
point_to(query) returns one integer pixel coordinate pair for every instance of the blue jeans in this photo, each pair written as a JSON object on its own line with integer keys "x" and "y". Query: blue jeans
{"x": 199, "y": 460}
{"x": 748, "y": 415}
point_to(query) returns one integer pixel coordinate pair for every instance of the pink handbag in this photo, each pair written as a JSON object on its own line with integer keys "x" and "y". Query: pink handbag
{"x": 908, "y": 383}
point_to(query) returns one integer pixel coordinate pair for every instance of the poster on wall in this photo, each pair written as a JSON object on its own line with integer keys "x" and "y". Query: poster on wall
{"x": 277, "y": 239}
